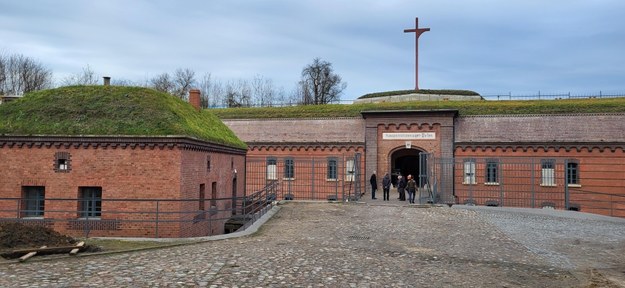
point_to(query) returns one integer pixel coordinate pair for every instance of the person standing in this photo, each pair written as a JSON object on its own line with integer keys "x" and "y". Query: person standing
{"x": 374, "y": 185}
{"x": 411, "y": 186}
{"x": 401, "y": 186}
{"x": 386, "y": 186}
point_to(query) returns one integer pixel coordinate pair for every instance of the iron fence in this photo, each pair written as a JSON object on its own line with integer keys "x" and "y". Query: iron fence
{"x": 151, "y": 218}
{"x": 559, "y": 183}
{"x": 551, "y": 96}
{"x": 336, "y": 177}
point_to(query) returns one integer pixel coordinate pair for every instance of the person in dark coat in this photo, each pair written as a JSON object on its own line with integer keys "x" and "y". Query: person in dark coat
{"x": 374, "y": 185}
{"x": 401, "y": 188}
{"x": 411, "y": 186}
{"x": 386, "y": 186}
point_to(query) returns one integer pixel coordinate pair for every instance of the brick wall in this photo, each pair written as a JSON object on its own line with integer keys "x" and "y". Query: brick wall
{"x": 541, "y": 128}
{"x": 128, "y": 170}
{"x": 600, "y": 175}
{"x": 298, "y": 130}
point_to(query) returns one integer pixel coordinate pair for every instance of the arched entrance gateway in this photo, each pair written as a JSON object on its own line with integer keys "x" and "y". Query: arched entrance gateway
{"x": 405, "y": 141}
{"x": 405, "y": 161}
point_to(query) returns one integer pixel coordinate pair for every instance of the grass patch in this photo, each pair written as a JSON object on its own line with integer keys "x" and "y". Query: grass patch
{"x": 420, "y": 91}
{"x": 116, "y": 245}
{"x": 465, "y": 108}
{"x": 111, "y": 110}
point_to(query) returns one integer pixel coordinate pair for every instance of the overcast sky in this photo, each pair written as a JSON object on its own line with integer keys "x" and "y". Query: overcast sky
{"x": 491, "y": 47}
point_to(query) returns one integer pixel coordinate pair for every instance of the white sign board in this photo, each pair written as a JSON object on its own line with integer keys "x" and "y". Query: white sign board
{"x": 409, "y": 136}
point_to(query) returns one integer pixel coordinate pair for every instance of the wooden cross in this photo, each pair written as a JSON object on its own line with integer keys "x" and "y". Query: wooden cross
{"x": 418, "y": 31}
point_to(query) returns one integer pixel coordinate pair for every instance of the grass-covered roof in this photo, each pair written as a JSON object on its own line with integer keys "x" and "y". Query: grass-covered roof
{"x": 563, "y": 106}
{"x": 111, "y": 110}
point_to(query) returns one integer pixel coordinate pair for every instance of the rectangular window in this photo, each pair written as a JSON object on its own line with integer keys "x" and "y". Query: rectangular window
{"x": 289, "y": 168}
{"x": 202, "y": 197}
{"x": 469, "y": 172}
{"x": 349, "y": 170}
{"x": 492, "y": 171}
{"x": 271, "y": 169}
{"x": 90, "y": 202}
{"x": 572, "y": 173}
{"x": 332, "y": 166}
{"x": 62, "y": 162}
{"x": 208, "y": 163}
{"x": 33, "y": 201}
{"x": 548, "y": 172}
{"x": 214, "y": 195}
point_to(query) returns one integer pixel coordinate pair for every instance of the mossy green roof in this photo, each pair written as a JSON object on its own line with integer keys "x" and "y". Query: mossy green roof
{"x": 484, "y": 107}
{"x": 111, "y": 110}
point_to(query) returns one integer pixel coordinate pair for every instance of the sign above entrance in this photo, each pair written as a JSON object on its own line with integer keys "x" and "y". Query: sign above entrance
{"x": 409, "y": 136}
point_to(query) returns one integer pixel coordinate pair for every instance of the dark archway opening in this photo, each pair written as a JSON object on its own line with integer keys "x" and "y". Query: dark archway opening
{"x": 405, "y": 162}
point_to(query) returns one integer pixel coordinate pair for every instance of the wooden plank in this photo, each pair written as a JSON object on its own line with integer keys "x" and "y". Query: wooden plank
{"x": 77, "y": 249}
{"x": 61, "y": 249}
{"x": 29, "y": 255}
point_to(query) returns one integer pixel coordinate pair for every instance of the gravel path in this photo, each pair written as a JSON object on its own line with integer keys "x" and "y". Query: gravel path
{"x": 365, "y": 245}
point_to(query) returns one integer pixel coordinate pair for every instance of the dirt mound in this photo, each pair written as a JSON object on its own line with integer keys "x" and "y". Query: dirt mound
{"x": 19, "y": 236}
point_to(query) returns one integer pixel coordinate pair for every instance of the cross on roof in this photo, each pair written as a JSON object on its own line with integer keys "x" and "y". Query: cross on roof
{"x": 418, "y": 31}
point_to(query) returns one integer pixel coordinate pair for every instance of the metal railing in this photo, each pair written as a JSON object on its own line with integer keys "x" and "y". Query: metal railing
{"x": 148, "y": 218}
{"x": 551, "y": 96}
{"x": 335, "y": 178}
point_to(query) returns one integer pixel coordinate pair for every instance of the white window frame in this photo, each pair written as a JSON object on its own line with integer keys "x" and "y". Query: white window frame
{"x": 548, "y": 172}
{"x": 349, "y": 170}
{"x": 272, "y": 168}
{"x": 469, "y": 172}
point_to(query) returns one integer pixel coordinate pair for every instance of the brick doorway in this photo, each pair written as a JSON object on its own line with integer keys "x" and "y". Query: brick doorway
{"x": 405, "y": 161}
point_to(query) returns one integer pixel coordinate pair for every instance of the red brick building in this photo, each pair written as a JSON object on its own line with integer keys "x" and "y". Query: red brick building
{"x": 122, "y": 185}
{"x": 561, "y": 161}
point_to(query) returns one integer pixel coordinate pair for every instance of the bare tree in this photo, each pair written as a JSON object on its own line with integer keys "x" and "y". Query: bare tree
{"x": 20, "y": 74}
{"x": 86, "y": 77}
{"x": 124, "y": 82}
{"x": 217, "y": 94}
{"x": 319, "y": 83}
{"x": 264, "y": 91}
{"x": 205, "y": 84}
{"x": 184, "y": 79}
{"x": 163, "y": 83}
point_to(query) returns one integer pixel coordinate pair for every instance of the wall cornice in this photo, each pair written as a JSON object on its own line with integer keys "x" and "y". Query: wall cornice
{"x": 312, "y": 146}
{"x": 539, "y": 146}
{"x": 115, "y": 142}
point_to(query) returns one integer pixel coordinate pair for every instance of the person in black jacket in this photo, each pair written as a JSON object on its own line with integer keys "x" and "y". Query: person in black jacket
{"x": 374, "y": 185}
{"x": 411, "y": 186}
{"x": 386, "y": 186}
{"x": 401, "y": 188}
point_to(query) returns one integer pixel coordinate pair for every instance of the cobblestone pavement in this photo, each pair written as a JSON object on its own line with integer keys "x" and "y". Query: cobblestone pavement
{"x": 349, "y": 245}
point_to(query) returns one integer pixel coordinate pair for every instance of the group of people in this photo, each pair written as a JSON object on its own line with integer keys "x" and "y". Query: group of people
{"x": 404, "y": 186}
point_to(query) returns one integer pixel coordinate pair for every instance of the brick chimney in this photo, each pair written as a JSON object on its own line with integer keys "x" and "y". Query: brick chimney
{"x": 107, "y": 80}
{"x": 194, "y": 99}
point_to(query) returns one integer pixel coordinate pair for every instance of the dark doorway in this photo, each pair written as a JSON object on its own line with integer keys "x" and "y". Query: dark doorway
{"x": 405, "y": 162}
